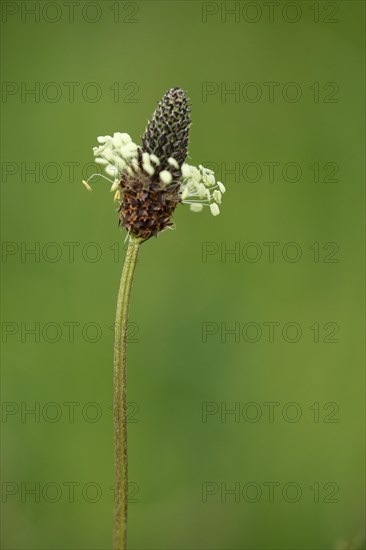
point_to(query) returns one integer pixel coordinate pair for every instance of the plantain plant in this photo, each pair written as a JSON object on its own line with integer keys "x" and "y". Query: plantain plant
{"x": 148, "y": 182}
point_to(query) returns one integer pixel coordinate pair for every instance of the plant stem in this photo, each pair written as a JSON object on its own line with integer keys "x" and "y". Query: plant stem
{"x": 120, "y": 396}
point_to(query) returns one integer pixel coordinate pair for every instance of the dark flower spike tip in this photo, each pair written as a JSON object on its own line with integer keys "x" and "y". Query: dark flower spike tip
{"x": 166, "y": 135}
{"x": 149, "y": 181}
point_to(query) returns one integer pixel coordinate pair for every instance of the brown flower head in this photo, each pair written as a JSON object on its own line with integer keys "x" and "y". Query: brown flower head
{"x": 151, "y": 180}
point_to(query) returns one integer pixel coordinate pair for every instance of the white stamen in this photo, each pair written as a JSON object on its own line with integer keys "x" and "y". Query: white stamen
{"x": 201, "y": 190}
{"x": 165, "y": 176}
{"x": 155, "y": 159}
{"x": 217, "y": 196}
{"x": 126, "y": 138}
{"x": 185, "y": 194}
{"x": 87, "y": 185}
{"x": 215, "y": 210}
{"x": 111, "y": 170}
{"x": 100, "y": 160}
{"x": 196, "y": 207}
{"x": 115, "y": 185}
{"x": 103, "y": 139}
{"x": 173, "y": 162}
{"x": 186, "y": 170}
{"x": 210, "y": 179}
{"x": 148, "y": 168}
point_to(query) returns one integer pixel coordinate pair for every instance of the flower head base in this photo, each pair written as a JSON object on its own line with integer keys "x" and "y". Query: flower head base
{"x": 149, "y": 181}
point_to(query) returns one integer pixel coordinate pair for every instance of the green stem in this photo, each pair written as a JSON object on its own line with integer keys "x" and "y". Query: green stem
{"x": 120, "y": 396}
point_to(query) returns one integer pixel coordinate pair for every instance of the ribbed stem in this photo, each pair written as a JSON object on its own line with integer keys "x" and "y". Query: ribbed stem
{"x": 120, "y": 396}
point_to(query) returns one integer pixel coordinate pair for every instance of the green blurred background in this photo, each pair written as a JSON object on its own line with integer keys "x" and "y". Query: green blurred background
{"x": 184, "y": 371}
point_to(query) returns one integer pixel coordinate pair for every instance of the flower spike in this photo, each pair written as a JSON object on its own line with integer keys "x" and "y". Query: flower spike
{"x": 151, "y": 180}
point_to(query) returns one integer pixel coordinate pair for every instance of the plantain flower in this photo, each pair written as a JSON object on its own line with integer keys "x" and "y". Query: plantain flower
{"x": 150, "y": 180}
